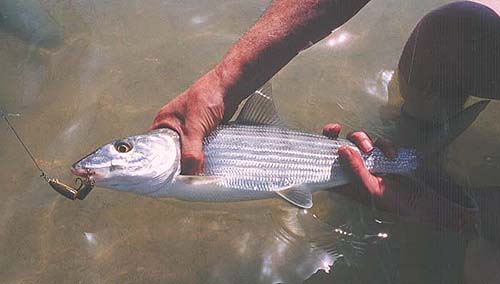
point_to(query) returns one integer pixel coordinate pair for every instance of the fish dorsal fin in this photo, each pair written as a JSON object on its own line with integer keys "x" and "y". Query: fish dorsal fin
{"x": 297, "y": 195}
{"x": 259, "y": 109}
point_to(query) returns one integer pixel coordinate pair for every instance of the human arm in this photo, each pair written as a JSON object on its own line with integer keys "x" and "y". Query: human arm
{"x": 286, "y": 28}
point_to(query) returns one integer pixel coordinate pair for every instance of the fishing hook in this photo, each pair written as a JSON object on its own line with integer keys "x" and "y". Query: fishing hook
{"x": 80, "y": 192}
{"x": 84, "y": 185}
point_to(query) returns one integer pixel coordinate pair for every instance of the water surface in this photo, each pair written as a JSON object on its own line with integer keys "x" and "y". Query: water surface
{"x": 120, "y": 61}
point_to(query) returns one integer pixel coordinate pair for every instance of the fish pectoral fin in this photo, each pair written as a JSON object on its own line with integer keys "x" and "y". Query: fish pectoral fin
{"x": 298, "y": 195}
{"x": 198, "y": 180}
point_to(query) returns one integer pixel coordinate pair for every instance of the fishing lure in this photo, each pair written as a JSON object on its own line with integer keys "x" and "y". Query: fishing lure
{"x": 83, "y": 189}
{"x": 84, "y": 186}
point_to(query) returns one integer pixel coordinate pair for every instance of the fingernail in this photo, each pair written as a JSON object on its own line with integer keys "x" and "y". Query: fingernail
{"x": 366, "y": 146}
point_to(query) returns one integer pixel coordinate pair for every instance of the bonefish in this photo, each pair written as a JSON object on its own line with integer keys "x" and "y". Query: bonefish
{"x": 254, "y": 157}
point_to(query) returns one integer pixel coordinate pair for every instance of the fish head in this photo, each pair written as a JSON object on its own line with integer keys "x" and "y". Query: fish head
{"x": 143, "y": 164}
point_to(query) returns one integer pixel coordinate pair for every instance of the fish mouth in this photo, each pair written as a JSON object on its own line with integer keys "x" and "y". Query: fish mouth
{"x": 80, "y": 172}
{"x": 85, "y": 173}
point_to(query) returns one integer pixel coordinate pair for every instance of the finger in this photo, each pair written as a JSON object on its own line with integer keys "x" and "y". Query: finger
{"x": 362, "y": 140}
{"x": 387, "y": 147}
{"x": 159, "y": 124}
{"x": 192, "y": 156}
{"x": 165, "y": 124}
{"x": 332, "y": 130}
{"x": 360, "y": 172}
{"x": 164, "y": 121}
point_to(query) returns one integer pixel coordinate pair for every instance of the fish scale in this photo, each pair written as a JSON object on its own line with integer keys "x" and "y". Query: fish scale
{"x": 267, "y": 158}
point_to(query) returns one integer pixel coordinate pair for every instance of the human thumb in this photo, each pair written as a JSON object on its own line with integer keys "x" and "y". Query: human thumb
{"x": 192, "y": 156}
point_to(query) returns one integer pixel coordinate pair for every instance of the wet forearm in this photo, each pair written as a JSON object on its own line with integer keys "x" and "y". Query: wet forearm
{"x": 286, "y": 28}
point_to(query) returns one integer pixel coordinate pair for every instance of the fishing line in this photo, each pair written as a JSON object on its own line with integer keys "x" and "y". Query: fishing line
{"x": 85, "y": 185}
{"x": 42, "y": 173}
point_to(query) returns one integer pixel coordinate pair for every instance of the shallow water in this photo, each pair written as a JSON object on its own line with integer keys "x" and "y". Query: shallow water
{"x": 119, "y": 63}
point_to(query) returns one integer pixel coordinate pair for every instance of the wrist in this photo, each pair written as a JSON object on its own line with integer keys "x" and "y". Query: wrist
{"x": 238, "y": 71}
{"x": 228, "y": 76}
{"x": 238, "y": 77}
{"x": 228, "y": 80}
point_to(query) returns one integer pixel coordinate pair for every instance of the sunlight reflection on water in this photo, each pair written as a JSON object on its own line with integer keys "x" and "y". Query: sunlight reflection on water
{"x": 119, "y": 63}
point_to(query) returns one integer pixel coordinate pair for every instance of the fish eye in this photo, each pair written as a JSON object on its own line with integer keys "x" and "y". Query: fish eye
{"x": 123, "y": 146}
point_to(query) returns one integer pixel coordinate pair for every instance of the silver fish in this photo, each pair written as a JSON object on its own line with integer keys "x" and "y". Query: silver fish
{"x": 254, "y": 157}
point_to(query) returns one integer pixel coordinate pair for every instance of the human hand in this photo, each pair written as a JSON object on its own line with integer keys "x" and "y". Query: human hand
{"x": 371, "y": 183}
{"x": 430, "y": 198}
{"x": 194, "y": 114}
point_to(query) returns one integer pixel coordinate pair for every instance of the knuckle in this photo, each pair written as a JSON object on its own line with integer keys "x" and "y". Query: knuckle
{"x": 332, "y": 126}
{"x": 344, "y": 152}
{"x": 362, "y": 140}
{"x": 356, "y": 167}
{"x": 357, "y": 136}
{"x": 192, "y": 156}
{"x": 332, "y": 129}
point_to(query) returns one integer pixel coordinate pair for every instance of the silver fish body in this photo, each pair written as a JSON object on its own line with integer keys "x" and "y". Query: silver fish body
{"x": 242, "y": 162}
{"x": 264, "y": 158}
{"x": 257, "y": 161}
{"x": 254, "y": 157}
